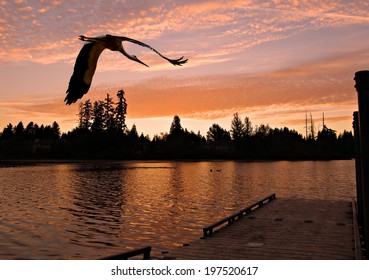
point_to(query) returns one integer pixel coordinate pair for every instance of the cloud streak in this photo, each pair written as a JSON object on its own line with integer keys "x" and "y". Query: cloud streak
{"x": 47, "y": 34}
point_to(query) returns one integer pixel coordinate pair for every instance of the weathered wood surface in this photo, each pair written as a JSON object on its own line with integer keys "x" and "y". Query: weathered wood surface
{"x": 282, "y": 229}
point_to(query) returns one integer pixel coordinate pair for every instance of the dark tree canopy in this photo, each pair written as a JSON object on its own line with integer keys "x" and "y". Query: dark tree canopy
{"x": 216, "y": 134}
{"x": 176, "y": 127}
{"x": 99, "y": 135}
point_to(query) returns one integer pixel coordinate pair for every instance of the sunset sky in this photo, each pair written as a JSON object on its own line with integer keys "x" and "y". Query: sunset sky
{"x": 273, "y": 61}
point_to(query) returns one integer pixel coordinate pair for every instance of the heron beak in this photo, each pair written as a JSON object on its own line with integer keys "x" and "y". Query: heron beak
{"x": 131, "y": 57}
{"x": 139, "y": 61}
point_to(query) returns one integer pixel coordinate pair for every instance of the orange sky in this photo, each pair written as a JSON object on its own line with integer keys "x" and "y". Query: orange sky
{"x": 273, "y": 61}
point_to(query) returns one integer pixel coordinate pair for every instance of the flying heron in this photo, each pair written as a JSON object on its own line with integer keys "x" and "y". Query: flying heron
{"x": 86, "y": 62}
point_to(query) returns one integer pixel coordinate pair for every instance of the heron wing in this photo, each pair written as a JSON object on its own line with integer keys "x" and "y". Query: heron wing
{"x": 84, "y": 70}
{"x": 178, "y": 61}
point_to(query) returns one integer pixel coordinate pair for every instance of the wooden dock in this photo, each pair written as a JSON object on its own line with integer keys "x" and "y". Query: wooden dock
{"x": 282, "y": 229}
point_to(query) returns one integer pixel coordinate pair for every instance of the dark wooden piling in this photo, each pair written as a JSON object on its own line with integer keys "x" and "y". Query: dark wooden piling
{"x": 359, "y": 194}
{"x": 362, "y": 88}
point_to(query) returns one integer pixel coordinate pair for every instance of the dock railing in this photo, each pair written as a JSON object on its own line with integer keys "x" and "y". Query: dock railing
{"x": 209, "y": 230}
{"x": 145, "y": 251}
{"x": 361, "y": 132}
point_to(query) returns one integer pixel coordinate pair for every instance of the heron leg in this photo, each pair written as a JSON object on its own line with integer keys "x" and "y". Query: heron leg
{"x": 90, "y": 39}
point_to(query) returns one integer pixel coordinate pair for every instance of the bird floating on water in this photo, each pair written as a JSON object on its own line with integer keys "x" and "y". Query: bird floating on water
{"x": 86, "y": 62}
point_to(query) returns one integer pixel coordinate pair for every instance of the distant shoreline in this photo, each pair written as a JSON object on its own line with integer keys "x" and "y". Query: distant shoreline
{"x": 31, "y": 162}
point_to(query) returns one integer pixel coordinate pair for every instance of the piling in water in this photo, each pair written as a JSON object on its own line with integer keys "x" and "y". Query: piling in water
{"x": 362, "y": 88}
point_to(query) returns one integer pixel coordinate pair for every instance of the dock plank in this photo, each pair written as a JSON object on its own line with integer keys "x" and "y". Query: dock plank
{"x": 282, "y": 229}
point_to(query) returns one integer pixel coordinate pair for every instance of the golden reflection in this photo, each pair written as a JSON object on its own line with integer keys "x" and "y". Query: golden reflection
{"x": 93, "y": 209}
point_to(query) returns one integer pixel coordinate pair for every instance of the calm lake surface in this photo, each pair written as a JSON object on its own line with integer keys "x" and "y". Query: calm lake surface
{"x": 87, "y": 210}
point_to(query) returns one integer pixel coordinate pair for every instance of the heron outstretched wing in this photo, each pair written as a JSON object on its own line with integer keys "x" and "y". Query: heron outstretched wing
{"x": 86, "y": 62}
{"x": 178, "y": 61}
{"x": 84, "y": 70}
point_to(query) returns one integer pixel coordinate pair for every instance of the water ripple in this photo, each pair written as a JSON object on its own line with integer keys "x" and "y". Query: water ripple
{"x": 92, "y": 209}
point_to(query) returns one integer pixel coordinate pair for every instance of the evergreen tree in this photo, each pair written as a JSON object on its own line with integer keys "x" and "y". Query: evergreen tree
{"x": 327, "y": 134}
{"x": 8, "y": 132}
{"x": 97, "y": 117}
{"x": 217, "y": 134}
{"x": 40, "y": 132}
{"x": 85, "y": 112}
{"x": 248, "y": 130}
{"x": 121, "y": 111}
{"x": 133, "y": 132}
{"x": 237, "y": 128}
{"x": 31, "y": 130}
{"x": 109, "y": 112}
{"x": 262, "y": 131}
{"x": 176, "y": 127}
{"x": 19, "y": 129}
{"x": 80, "y": 115}
{"x": 346, "y": 144}
{"x": 55, "y": 130}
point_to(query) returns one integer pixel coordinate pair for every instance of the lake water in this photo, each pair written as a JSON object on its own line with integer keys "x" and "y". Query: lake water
{"x": 87, "y": 210}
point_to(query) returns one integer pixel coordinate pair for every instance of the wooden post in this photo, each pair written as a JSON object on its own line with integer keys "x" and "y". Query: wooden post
{"x": 359, "y": 185}
{"x": 362, "y": 88}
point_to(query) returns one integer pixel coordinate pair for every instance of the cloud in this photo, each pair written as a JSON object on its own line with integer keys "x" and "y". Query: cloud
{"x": 39, "y": 110}
{"x": 47, "y": 33}
{"x": 218, "y": 96}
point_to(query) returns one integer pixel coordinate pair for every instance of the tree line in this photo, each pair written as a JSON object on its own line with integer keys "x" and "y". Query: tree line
{"x": 101, "y": 133}
{"x": 102, "y": 116}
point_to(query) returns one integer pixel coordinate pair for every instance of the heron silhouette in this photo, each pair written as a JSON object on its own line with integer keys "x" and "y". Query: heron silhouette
{"x": 86, "y": 62}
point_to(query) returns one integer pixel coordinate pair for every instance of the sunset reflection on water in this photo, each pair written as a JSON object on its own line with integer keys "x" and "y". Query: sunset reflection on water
{"x": 88, "y": 210}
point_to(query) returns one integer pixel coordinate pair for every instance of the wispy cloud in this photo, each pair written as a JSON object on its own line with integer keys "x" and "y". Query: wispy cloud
{"x": 46, "y": 32}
